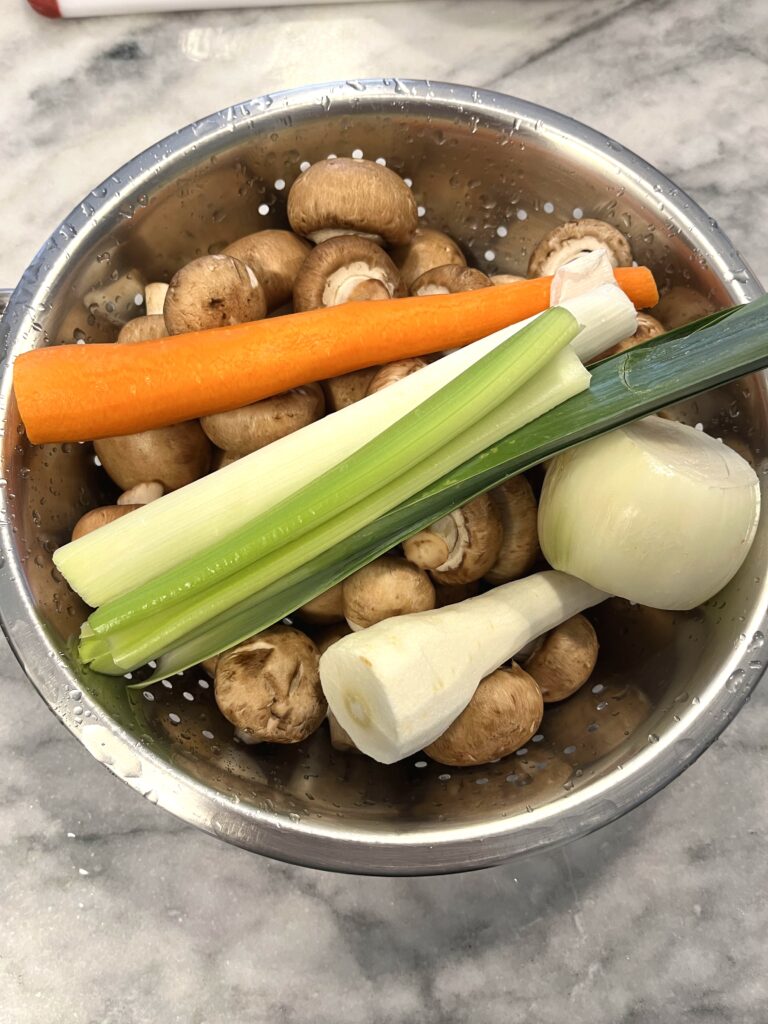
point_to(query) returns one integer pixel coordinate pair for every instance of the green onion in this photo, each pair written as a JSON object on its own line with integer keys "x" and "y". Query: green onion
{"x": 142, "y": 624}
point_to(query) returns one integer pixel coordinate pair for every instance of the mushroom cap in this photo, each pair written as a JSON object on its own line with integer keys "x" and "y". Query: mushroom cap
{"x": 391, "y": 373}
{"x": 222, "y": 459}
{"x": 346, "y": 268}
{"x": 213, "y": 291}
{"x": 142, "y": 494}
{"x": 269, "y": 687}
{"x": 453, "y": 593}
{"x": 356, "y": 196}
{"x": 499, "y": 279}
{"x": 681, "y": 305}
{"x": 275, "y": 256}
{"x": 324, "y": 636}
{"x": 99, "y": 517}
{"x": 516, "y": 504}
{"x": 325, "y": 608}
{"x": 565, "y": 659}
{"x": 387, "y": 587}
{"x": 254, "y": 426}
{"x": 462, "y": 546}
{"x": 567, "y": 241}
{"x": 450, "y": 278}
{"x": 209, "y": 665}
{"x": 647, "y": 327}
{"x": 143, "y": 328}
{"x": 427, "y": 249}
{"x": 174, "y": 456}
{"x": 505, "y": 711}
{"x": 347, "y": 388}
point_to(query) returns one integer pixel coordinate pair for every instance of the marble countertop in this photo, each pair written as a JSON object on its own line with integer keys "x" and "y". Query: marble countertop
{"x": 113, "y": 911}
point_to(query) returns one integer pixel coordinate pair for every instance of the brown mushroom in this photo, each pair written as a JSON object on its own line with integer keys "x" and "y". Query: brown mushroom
{"x": 99, "y": 517}
{"x": 254, "y": 426}
{"x": 347, "y": 388}
{"x": 426, "y": 250}
{"x": 275, "y": 257}
{"x": 515, "y": 502}
{"x": 174, "y": 456}
{"x": 384, "y": 588}
{"x": 505, "y": 711}
{"x": 222, "y": 459}
{"x": 150, "y": 326}
{"x": 342, "y": 196}
{"x": 269, "y": 687}
{"x": 142, "y": 494}
{"x": 345, "y": 269}
{"x": 569, "y": 240}
{"x": 681, "y": 305}
{"x": 324, "y": 636}
{"x": 460, "y": 547}
{"x": 391, "y": 373}
{"x": 213, "y": 291}
{"x": 453, "y": 593}
{"x": 209, "y": 665}
{"x": 647, "y": 327}
{"x": 564, "y": 659}
{"x": 325, "y": 608}
{"x": 448, "y": 279}
{"x": 499, "y": 279}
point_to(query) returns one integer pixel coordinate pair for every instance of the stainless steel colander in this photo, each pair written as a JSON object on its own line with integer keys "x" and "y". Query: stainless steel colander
{"x": 497, "y": 173}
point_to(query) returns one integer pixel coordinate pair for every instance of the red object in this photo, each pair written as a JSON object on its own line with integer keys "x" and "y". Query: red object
{"x": 48, "y": 8}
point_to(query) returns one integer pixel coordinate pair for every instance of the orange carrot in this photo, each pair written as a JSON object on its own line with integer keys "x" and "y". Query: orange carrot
{"x": 83, "y": 392}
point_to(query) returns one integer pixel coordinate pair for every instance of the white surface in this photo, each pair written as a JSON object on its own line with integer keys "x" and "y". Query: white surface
{"x": 112, "y": 911}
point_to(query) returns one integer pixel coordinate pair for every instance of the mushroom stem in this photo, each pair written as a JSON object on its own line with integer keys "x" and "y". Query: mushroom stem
{"x": 154, "y": 298}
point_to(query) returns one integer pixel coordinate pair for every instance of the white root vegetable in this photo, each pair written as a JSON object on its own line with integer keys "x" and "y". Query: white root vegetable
{"x": 398, "y": 685}
{"x": 655, "y": 512}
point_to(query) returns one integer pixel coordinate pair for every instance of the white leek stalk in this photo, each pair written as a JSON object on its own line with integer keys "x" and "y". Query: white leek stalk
{"x": 124, "y": 554}
{"x": 655, "y": 512}
{"x": 396, "y": 686}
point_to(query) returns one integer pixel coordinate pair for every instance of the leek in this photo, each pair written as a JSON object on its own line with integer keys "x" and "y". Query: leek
{"x": 720, "y": 347}
{"x": 122, "y": 556}
{"x": 142, "y": 623}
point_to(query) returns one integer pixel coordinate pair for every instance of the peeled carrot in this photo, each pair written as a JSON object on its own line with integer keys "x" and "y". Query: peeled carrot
{"x": 84, "y": 392}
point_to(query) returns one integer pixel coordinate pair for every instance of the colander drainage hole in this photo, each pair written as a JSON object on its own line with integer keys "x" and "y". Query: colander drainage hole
{"x": 598, "y": 688}
{"x": 357, "y": 154}
{"x": 304, "y": 165}
{"x": 419, "y": 764}
{"x": 548, "y": 207}
{"x": 578, "y": 213}
{"x": 147, "y": 695}
{"x": 501, "y": 231}
{"x": 279, "y": 184}
{"x": 187, "y": 695}
{"x": 173, "y": 717}
{"x": 381, "y": 160}
{"x": 480, "y": 782}
{"x": 208, "y": 734}
{"x": 569, "y": 750}
{"x": 203, "y": 684}
{"x": 444, "y": 777}
{"x": 489, "y": 255}
{"x": 263, "y": 209}
{"x": 522, "y": 215}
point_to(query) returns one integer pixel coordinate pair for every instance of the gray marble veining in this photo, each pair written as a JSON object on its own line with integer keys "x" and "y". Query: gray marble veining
{"x": 114, "y": 912}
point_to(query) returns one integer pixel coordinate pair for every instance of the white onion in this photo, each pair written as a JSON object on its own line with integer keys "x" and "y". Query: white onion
{"x": 655, "y": 512}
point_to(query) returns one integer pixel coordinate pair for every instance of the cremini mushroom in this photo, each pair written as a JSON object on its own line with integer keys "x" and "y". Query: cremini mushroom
{"x": 647, "y": 327}
{"x": 213, "y": 291}
{"x": 340, "y": 738}
{"x": 269, "y": 687}
{"x": 515, "y": 503}
{"x": 222, "y": 459}
{"x": 99, "y": 517}
{"x": 569, "y": 240}
{"x": 209, "y": 665}
{"x": 152, "y": 325}
{"x": 506, "y": 278}
{"x": 427, "y": 249}
{"x": 460, "y": 547}
{"x": 681, "y": 305}
{"x": 384, "y": 588}
{"x": 564, "y": 659}
{"x": 453, "y": 593}
{"x": 450, "y": 278}
{"x": 326, "y": 608}
{"x": 345, "y": 269}
{"x": 340, "y": 196}
{"x": 142, "y": 494}
{"x": 174, "y": 456}
{"x": 504, "y": 713}
{"x": 391, "y": 373}
{"x": 347, "y": 388}
{"x": 275, "y": 257}
{"x": 254, "y": 426}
